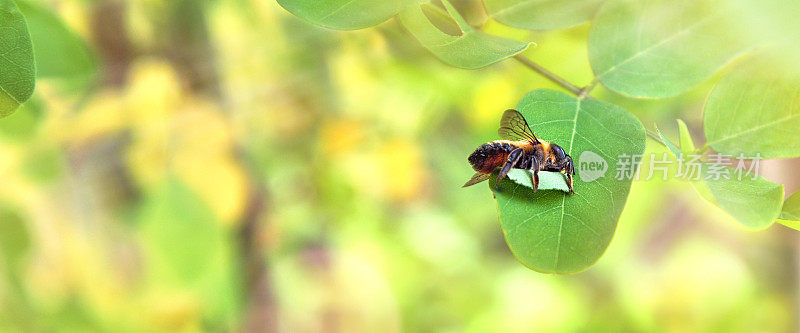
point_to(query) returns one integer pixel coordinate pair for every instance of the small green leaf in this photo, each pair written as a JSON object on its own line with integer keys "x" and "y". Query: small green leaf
{"x": 671, "y": 146}
{"x": 17, "y": 70}
{"x": 556, "y": 232}
{"x": 752, "y": 200}
{"x": 660, "y": 48}
{"x": 687, "y": 144}
{"x": 755, "y": 109}
{"x": 59, "y": 52}
{"x": 343, "y": 14}
{"x": 542, "y": 14}
{"x": 180, "y": 233}
{"x": 790, "y": 214}
{"x": 547, "y": 180}
{"x": 472, "y": 49}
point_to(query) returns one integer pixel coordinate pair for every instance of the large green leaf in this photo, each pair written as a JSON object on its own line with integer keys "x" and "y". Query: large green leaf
{"x": 471, "y": 49}
{"x": 556, "y": 232}
{"x": 660, "y": 48}
{"x": 59, "y": 51}
{"x": 17, "y": 70}
{"x": 752, "y": 200}
{"x": 542, "y": 14}
{"x": 181, "y": 235}
{"x": 343, "y": 14}
{"x": 755, "y": 109}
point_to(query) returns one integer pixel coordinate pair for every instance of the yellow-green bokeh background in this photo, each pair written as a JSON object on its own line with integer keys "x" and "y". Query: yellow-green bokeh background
{"x": 318, "y": 185}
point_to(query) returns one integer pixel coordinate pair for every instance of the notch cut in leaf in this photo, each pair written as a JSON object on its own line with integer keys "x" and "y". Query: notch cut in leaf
{"x": 471, "y": 49}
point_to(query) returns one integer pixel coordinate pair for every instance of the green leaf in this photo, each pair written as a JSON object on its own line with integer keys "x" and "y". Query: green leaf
{"x": 790, "y": 214}
{"x": 343, "y": 14}
{"x": 556, "y": 232}
{"x": 752, "y": 200}
{"x": 542, "y": 14}
{"x": 548, "y": 180}
{"x": 660, "y": 48}
{"x": 59, "y": 52}
{"x": 180, "y": 233}
{"x": 471, "y": 49}
{"x": 14, "y": 236}
{"x": 671, "y": 146}
{"x": 687, "y": 144}
{"x": 17, "y": 71}
{"x": 755, "y": 109}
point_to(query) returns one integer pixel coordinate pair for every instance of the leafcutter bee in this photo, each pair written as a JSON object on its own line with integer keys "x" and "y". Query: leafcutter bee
{"x": 519, "y": 149}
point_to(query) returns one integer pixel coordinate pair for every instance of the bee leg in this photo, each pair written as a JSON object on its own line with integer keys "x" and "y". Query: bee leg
{"x": 510, "y": 161}
{"x": 568, "y": 175}
{"x": 535, "y": 174}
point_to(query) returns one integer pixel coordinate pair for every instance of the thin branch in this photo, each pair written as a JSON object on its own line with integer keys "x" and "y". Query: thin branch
{"x": 552, "y": 77}
{"x": 655, "y": 137}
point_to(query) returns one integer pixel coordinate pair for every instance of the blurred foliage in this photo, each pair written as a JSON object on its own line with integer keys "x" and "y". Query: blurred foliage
{"x": 130, "y": 207}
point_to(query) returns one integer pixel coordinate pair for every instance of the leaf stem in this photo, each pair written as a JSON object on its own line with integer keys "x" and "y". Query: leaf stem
{"x": 654, "y": 136}
{"x": 580, "y": 92}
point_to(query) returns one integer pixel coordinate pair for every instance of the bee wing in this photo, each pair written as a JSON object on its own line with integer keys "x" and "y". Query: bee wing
{"x": 513, "y": 126}
{"x": 477, "y": 178}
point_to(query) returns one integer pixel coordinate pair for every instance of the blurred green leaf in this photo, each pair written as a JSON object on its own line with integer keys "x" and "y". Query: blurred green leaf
{"x": 17, "y": 69}
{"x": 555, "y": 232}
{"x": 687, "y": 144}
{"x": 547, "y": 180}
{"x": 660, "y": 48}
{"x": 343, "y": 15}
{"x": 59, "y": 51}
{"x": 180, "y": 232}
{"x": 752, "y": 200}
{"x": 790, "y": 213}
{"x": 23, "y": 125}
{"x": 14, "y": 236}
{"x": 755, "y": 110}
{"x": 542, "y": 14}
{"x": 472, "y": 49}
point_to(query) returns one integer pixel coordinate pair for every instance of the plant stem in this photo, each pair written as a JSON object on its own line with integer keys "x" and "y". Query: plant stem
{"x": 655, "y": 137}
{"x": 581, "y": 93}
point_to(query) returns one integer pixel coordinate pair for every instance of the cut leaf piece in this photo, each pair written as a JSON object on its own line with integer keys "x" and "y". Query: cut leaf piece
{"x": 471, "y": 50}
{"x": 547, "y": 180}
{"x": 17, "y": 71}
{"x": 660, "y": 48}
{"x": 755, "y": 110}
{"x": 542, "y": 14}
{"x": 341, "y": 14}
{"x": 556, "y": 232}
{"x": 752, "y": 200}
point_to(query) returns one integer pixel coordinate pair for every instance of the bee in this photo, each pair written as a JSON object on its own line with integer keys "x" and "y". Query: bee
{"x": 519, "y": 149}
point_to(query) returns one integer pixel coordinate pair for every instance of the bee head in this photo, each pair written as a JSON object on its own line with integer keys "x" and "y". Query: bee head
{"x": 558, "y": 152}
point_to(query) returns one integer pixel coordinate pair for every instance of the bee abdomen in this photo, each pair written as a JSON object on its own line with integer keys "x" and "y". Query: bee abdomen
{"x": 490, "y": 156}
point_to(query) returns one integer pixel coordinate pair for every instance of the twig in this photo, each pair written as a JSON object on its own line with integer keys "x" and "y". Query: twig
{"x": 553, "y": 77}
